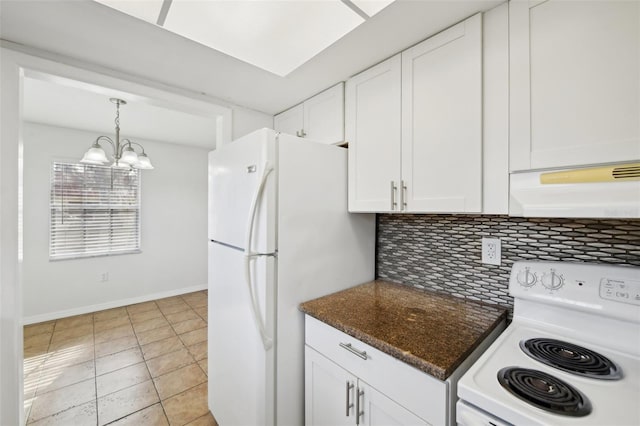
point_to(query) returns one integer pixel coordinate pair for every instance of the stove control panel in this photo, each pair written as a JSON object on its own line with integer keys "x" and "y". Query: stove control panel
{"x": 626, "y": 291}
{"x": 596, "y": 288}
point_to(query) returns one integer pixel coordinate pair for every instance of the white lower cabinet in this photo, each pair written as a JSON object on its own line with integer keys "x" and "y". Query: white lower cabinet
{"x": 334, "y": 397}
{"x": 378, "y": 409}
{"x": 329, "y": 391}
{"x": 348, "y": 382}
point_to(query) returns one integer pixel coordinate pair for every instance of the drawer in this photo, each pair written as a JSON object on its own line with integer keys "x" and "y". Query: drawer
{"x": 424, "y": 395}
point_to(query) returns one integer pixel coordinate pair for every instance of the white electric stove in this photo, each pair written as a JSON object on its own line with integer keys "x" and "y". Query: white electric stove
{"x": 571, "y": 356}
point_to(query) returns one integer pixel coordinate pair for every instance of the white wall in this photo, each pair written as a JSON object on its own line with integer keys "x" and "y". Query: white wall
{"x": 11, "y": 366}
{"x": 173, "y": 230}
{"x": 247, "y": 120}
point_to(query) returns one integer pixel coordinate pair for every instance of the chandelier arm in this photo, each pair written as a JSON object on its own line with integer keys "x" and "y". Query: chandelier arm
{"x": 130, "y": 142}
{"x": 107, "y": 139}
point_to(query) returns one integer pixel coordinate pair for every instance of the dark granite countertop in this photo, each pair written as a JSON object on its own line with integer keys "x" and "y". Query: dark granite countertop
{"x": 429, "y": 331}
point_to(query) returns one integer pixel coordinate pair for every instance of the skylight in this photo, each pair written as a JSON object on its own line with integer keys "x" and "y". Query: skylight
{"x": 147, "y": 10}
{"x": 275, "y": 35}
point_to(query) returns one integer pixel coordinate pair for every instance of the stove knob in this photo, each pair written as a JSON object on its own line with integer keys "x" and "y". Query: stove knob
{"x": 526, "y": 278}
{"x": 552, "y": 280}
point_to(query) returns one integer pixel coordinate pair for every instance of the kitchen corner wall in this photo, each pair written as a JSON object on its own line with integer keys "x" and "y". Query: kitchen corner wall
{"x": 442, "y": 252}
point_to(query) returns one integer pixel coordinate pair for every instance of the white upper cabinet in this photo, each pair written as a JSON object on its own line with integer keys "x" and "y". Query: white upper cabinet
{"x": 575, "y": 83}
{"x": 414, "y": 127}
{"x": 320, "y": 118}
{"x": 291, "y": 121}
{"x": 373, "y": 130}
{"x": 442, "y": 121}
{"x": 324, "y": 116}
{"x": 495, "y": 110}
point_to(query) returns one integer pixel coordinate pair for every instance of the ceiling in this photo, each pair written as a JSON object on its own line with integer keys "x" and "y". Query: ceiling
{"x": 66, "y": 106}
{"x": 247, "y": 30}
{"x": 92, "y": 32}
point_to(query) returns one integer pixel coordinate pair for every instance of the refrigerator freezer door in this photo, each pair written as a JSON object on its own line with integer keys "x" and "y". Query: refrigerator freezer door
{"x": 241, "y": 370}
{"x": 236, "y": 173}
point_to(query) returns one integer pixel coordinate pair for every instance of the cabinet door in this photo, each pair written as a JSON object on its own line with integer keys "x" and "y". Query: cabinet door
{"x": 378, "y": 410}
{"x": 372, "y": 121}
{"x": 575, "y": 83}
{"x": 290, "y": 121}
{"x": 324, "y": 116}
{"x": 442, "y": 121}
{"x": 329, "y": 392}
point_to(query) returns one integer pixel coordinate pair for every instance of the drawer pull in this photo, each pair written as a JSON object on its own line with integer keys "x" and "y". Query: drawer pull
{"x": 361, "y": 354}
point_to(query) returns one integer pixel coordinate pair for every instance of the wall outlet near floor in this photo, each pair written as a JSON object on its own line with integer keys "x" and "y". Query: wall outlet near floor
{"x": 491, "y": 251}
{"x": 104, "y": 277}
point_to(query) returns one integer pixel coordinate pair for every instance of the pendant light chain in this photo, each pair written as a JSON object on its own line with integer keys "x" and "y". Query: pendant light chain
{"x": 117, "y": 120}
{"x": 118, "y": 147}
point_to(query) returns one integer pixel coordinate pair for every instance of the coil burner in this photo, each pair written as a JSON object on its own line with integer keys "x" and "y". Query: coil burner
{"x": 571, "y": 358}
{"x": 544, "y": 391}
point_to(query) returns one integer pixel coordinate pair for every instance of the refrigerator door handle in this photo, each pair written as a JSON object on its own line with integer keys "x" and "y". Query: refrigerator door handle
{"x": 253, "y": 208}
{"x": 267, "y": 341}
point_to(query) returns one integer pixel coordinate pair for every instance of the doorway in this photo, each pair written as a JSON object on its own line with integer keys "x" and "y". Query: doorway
{"x": 20, "y": 74}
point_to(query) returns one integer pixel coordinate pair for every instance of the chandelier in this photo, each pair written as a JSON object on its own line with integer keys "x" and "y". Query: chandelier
{"x": 124, "y": 154}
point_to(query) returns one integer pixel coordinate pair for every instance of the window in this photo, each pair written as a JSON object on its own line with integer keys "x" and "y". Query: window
{"x": 95, "y": 211}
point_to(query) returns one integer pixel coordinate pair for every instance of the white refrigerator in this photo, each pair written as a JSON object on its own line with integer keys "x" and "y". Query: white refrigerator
{"x": 279, "y": 234}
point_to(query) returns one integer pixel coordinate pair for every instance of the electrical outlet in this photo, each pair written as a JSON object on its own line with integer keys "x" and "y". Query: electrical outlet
{"x": 491, "y": 251}
{"x": 104, "y": 277}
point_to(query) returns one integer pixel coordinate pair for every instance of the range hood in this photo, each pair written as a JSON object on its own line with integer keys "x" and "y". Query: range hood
{"x": 611, "y": 191}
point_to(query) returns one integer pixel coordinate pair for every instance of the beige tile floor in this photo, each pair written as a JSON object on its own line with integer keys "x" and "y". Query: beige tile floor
{"x": 143, "y": 364}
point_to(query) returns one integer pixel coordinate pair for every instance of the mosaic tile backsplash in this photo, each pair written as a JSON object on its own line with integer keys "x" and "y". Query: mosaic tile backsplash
{"x": 442, "y": 252}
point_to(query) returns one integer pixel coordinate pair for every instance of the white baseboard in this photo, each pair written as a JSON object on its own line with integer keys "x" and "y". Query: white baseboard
{"x": 108, "y": 305}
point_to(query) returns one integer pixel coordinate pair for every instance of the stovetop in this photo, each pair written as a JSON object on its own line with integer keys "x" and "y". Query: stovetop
{"x": 585, "y": 317}
{"x": 611, "y": 402}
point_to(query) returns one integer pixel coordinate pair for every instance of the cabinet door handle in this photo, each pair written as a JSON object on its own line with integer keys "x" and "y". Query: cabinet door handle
{"x": 300, "y": 133}
{"x": 349, "y": 405}
{"x": 359, "y": 393}
{"x": 403, "y": 196}
{"x": 394, "y": 189}
{"x": 361, "y": 354}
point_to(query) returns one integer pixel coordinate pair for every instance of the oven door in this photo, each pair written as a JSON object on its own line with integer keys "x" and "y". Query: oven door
{"x": 468, "y": 415}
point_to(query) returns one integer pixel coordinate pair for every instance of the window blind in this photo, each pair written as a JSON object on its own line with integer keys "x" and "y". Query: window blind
{"x": 95, "y": 210}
